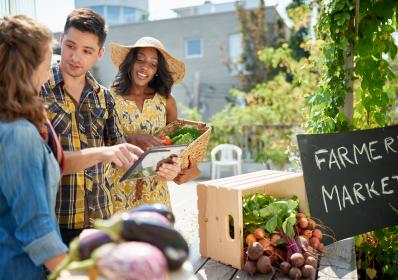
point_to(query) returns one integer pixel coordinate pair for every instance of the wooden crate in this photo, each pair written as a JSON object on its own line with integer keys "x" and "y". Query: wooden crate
{"x": 219, "y": 199}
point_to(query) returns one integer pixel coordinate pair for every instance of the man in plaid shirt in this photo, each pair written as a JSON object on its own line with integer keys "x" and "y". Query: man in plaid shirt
{"x": 82, "y": 113}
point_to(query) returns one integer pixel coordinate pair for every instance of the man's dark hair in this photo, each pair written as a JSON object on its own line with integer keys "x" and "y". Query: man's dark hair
{"x": 87, "y": 20}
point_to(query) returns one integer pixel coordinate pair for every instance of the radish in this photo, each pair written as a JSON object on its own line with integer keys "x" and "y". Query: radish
{"x": 265, "y": 242}
{"x": 311, "y": 224}
{"x": 300, "y": 215}
{"x": 295, "y": 273}
{"x": 259, "y": 233}
{"x": 250, "y": 238}
{"x": 264, "y": 265}
{"x": 297, "y": 260}
{"x": 314, "y": 242}
{"x": 303, "y": 222}
{"x": 255, "y": 251}
{"x": 308, "y": 271}
{"x": 302, "y": 241}
{"x": 307, "y": 233}
{"x": 285, "y": 267}
{"x": 250, "y": 267}
{"x": 317, "y": 233}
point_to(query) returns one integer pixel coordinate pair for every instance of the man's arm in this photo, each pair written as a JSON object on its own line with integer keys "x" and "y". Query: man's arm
{"x": 122, "y": 155}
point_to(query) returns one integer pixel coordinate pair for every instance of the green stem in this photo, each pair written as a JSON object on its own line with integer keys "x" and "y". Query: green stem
{"x": 113, "y": 226}
{"x": 72, "y": 256}
{"x": 82, "y": 265}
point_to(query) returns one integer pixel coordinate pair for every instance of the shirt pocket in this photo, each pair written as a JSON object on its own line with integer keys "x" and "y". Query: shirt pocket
{"x": 60, "y": 118}
{"x": 97, "y": 123}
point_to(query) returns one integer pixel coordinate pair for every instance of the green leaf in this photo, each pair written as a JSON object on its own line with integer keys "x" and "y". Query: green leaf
{"x": 271, "y": 224}
{"x": 392, "y": 52}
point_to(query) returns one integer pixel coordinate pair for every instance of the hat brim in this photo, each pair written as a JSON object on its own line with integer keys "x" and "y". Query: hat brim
{"x": 175, "y": 66}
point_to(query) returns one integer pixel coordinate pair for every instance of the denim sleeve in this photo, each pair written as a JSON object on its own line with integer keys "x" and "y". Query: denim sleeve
{"x": 24, "y": 188}
{"x": 113, "y": 130}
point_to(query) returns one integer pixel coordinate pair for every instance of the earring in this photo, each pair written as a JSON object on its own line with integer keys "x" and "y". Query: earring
{"x": 157, "y": 75}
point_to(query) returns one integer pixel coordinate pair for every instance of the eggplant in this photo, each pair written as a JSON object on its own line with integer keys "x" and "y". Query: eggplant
{"x": 151, "y": 215}
{"x": 126, "y": 261}
{"x": 81, "y": 249}
{"x": 148, "y": 229}
{"x": 155, "y": 207}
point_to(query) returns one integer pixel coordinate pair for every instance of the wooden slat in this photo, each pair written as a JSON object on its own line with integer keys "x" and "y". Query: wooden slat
{"x": 241, "y": 177}
{"x": 242, "y": 275}
{"x": 241, "y": 184}
{"x": 338, "y": 261}
{"x": 213, "y": 270}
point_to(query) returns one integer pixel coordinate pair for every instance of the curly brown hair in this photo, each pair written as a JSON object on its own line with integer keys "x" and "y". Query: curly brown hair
{"x": 161, "y": 83}
{"x": 23, "y": 45}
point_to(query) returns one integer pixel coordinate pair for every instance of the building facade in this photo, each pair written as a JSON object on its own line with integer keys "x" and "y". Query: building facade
{"x": 118, "y": 12}
{"x": 209, "y": 43}
{"x": 15, "y": 7}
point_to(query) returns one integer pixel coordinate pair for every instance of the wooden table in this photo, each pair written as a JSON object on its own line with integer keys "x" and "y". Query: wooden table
{"x": 337, "y": 262}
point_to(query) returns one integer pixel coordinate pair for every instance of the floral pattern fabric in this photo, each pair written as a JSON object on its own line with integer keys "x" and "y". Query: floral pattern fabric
{"x": 132, "y": 193}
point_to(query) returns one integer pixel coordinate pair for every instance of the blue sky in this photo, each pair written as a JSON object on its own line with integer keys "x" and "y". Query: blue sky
{"x": 53, "y": 13}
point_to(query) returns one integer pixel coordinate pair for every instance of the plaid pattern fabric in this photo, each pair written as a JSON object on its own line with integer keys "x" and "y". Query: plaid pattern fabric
{"x": 83, "y": 196}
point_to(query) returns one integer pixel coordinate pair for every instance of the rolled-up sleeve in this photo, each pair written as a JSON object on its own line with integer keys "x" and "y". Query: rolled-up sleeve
{"x": 28, "y": 197}
{"x": 46, "y": 247}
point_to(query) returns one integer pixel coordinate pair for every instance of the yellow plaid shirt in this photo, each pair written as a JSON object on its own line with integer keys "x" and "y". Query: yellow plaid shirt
{"x": 85, "y": 195}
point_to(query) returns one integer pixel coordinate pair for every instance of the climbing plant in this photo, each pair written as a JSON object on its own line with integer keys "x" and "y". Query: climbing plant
{"x": 356, "y": 91}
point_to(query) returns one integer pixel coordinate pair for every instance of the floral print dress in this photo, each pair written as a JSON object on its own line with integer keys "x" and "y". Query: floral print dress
{"x": 132, "y": 193}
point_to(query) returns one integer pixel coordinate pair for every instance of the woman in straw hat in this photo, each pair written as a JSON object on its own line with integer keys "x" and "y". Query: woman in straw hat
{"x": 142, "y": 91}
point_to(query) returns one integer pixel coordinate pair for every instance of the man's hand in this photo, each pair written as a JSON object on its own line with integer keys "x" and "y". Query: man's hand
{"x": 144, "y": 141}
{"x": 122, "y": 155}
{"x": 188, "y": 174}
{"x": 168, "y": 169}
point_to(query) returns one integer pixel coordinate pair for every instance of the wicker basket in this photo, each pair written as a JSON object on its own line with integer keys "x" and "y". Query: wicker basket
{"x": 197, "y": 149}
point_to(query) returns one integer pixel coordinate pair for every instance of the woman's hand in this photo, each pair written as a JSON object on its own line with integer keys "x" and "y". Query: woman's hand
{"x": 188, "y": 174}
{"x": 169, "y": 168}
{"x": 144, "y": 141}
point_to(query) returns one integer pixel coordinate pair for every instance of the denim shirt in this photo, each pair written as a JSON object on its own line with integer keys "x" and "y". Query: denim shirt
{"x": 29, "y": 177}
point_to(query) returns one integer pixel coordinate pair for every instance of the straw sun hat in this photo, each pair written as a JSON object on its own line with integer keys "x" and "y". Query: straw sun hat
{"x": 119, "y": 53}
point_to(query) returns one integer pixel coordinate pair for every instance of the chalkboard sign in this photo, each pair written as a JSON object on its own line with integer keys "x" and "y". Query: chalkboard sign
{"x": 351, "y": 179}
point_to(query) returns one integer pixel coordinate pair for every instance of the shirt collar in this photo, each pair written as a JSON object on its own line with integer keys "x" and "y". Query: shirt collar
{"x": 56, "y": 78}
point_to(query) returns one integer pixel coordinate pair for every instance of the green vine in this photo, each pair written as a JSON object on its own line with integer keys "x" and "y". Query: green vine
{"x": 356, "y": 91}
{"x": 355, "y": 64}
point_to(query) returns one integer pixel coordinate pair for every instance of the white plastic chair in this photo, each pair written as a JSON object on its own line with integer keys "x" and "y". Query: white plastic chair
{"x": 230, "y": 155}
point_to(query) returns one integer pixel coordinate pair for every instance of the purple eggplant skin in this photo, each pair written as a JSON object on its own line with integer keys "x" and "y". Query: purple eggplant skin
{"x": 163, "y": 236}
{"x": 91, "y": 242}
{"x": 158, "y": 208}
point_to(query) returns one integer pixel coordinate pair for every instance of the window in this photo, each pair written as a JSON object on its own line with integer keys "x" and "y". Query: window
{"x": 128, "y": 15}
{"x": 235, "y": 51}
{"x": 193, "y": 47}
{"x": 112, "y": 15}
{"x": 99, "y": 9}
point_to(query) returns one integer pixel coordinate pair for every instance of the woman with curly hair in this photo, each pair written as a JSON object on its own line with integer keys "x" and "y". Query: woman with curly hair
{"x": 29, "y": 172}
